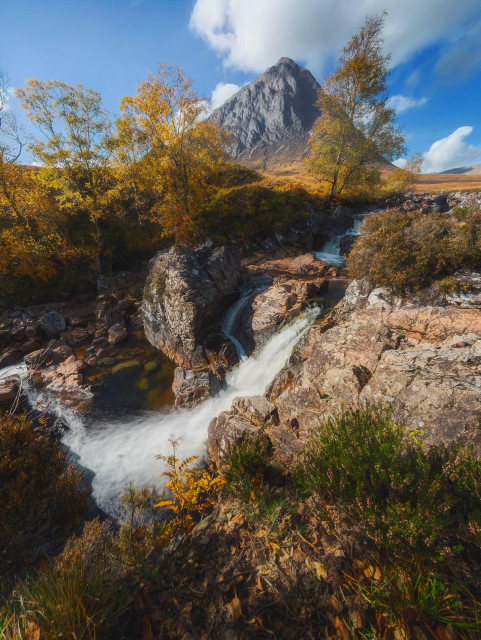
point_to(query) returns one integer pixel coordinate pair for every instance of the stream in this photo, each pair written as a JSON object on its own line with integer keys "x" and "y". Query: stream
{"x": 120, "y": 450}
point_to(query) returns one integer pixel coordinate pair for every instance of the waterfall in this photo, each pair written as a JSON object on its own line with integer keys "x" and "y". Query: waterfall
{"x": 331, "y": 250}
{"x": 121, "y": 451}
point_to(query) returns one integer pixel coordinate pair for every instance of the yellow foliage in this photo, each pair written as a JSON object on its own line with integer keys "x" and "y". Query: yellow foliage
{"x": 194, "y": 490}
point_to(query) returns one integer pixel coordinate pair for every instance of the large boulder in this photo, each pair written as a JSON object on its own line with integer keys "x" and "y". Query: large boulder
{"x": 53, "y": 323}
{"x": 185, "y": 296}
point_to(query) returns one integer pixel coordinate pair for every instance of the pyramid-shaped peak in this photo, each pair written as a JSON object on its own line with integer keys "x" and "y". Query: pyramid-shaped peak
{"x": 285, "y": 63}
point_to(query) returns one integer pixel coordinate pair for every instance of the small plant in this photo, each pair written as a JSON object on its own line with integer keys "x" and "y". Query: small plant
{"x": 409, "y": 251}
{"x": 420, "y": 503}
{"x": 40, "y": 499}
{"x": 194, "y": 491}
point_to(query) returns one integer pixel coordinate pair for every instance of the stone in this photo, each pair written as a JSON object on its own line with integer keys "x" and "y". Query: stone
{"x": 117, "y": 334}
{"x": 8, "y": 394}
{"x": 224, "y": 432}
{"x": 38, "y": 358}
{"x": 67, "y": 376}
{"x": 128, "y": 365}
{"x": 10, "y": 356}
{"x": 185, "y": 295}
{"x": 190, "y": 387}
{"x": 53, "y": 323}
{"x": 255, "y": 409}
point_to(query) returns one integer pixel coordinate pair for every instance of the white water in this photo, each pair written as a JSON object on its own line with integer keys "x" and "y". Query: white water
{"x": 231, "y": 316}
{"x": 331, "y": 250}
{"x": 122, "y": 451}
{"x": 15, "y": 371}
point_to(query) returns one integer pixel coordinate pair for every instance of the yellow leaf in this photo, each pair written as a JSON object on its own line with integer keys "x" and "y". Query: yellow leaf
{"x": 235, "y": 609}
{"x": 320, "y": 570}
{"x": 146, "y": 630}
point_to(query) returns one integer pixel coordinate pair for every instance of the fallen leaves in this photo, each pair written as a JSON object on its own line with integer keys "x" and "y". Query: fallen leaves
{"x": 235, "y": 609}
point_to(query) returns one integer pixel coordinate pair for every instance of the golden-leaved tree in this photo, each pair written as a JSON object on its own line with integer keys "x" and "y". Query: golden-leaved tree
{"x": 75, "y": 149}
{"x": 356, "y": 128}
{"x": 166, "y": 147}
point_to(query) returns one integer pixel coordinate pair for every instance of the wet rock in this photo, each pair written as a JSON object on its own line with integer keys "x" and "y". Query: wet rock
{"x": 192, "y": 387}
{"x": 346, "y": 243}
{"x": 38, "y": 358}
{"x": 10, "y": 356}
{"x": 224, "y": 432}
{"x": 61, "y": 353}
{"x": 53, "y": 323}
{"x": 255, "y": 409}
{"x": 185, "y": 296}
{"x": 8, "y": 394}
{"x": 67, "y": 376}
{"x": 117, "y": 334}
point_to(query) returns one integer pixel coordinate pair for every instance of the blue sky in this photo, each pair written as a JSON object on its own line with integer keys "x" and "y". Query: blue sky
{"x": 109, "y": 45}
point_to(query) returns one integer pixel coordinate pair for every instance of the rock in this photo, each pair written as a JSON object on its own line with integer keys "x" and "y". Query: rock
{"x": 224, "y": 432}
{"x": 53, "y": 323}
{"x": 306, "y": 265}
{"x": 255, "y": 409}
{"x": 8, "y": 394}
{"x": 423, "y": 361}
{"x": 59, "y": 354}
{"x": 67, "y": 376}
{"x": 117, "y": 334}
{"x": 346, "y": 244}
{"x": 38, "y": 358}
{"x": 192, "y": 387}
{"x": 10, "y": 356}
{"x": 127, "y": 366}
{"x": 185, "y": 296}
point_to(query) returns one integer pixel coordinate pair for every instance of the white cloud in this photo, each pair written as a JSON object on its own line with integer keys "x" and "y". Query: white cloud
{"x": 400, "y": 163}
{"x": 402, "y": 103}
{"x": 253, "y": 34}
{"x": 223, "y": 92}
{"x": 451, "y": 152}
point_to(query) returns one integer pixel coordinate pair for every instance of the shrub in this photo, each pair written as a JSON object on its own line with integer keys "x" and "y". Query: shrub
{"x": 40, "y": 499}
{"x": 416, "y": 501}
{"x": 410, "y": 251}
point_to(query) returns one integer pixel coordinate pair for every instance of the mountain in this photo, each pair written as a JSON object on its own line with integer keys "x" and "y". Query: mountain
{"x": 271, "y": 117}
{"x": 474, "y": 169}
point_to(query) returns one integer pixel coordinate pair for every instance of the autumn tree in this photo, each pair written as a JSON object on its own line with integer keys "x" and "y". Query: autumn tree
{"x": 168, "y": 148}
{"x": 75, "y": 145}
{"x": 356, "y": 128}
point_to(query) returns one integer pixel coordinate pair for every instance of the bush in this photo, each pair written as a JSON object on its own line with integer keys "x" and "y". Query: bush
{"x": 410, "y": 251}
{"x": 40, "y": 499}
{"x": 418, "y": 502}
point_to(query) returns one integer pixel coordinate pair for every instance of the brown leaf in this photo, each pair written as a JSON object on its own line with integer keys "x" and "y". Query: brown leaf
{"x": 146, "y": 630}
{"x": 341, "y": 628}
{"x": 235, "y": 609}
{"x": 299, "y": 555}
{"x": 33, "y": 632}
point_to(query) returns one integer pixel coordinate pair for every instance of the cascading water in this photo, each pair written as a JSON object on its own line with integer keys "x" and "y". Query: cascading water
{"x": 121, "y": 452}
{"x": 331, "y": 250}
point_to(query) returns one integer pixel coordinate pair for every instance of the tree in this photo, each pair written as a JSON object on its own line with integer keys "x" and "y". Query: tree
{"x": 357, "y": 127}
{"x": 76, "y": 146}
{"x": 169, "y": 149}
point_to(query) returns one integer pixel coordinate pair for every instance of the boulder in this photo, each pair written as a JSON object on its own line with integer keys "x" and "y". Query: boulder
{"x": 117, "y": 334}
{"x": 53, "y": 323}
{"x": 38, "y": 358}
{"x": 185, "y": 296}
{"x": 8, "y": 394}
{"x": 192, "y": 387}
{"x": 224, "y": 432}
{"x": 255, "y": 409}
{"x": 10, "y": 356}
{"x": 67, "y": 376}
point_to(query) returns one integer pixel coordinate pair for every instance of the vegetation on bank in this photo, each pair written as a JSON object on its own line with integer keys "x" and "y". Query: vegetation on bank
{"x": 367, "y": 534}
{"x": 409, "y": 251}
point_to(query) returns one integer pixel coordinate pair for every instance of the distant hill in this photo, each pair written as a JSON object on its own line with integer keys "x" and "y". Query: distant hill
{"x": 271, "y": 117}
{"x": 474, "y": 169}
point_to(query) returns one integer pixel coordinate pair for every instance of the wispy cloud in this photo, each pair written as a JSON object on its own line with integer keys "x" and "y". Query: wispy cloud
{"x": 402, "y": 103}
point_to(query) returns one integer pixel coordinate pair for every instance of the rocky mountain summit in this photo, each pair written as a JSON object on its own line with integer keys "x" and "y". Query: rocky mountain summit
{"x": 272, "y": 116}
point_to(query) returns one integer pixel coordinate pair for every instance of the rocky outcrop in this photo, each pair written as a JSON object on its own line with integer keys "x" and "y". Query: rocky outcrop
{"x": 185, "y": 296}
{"x": 272, "y": 116}
{"x": 424, "y": 361}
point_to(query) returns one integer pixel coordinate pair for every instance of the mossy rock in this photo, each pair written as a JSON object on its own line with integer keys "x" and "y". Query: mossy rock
{"x": 143, "y": 384}
{"x": 150, "y": 366}
{"x": 124, "y": 366}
